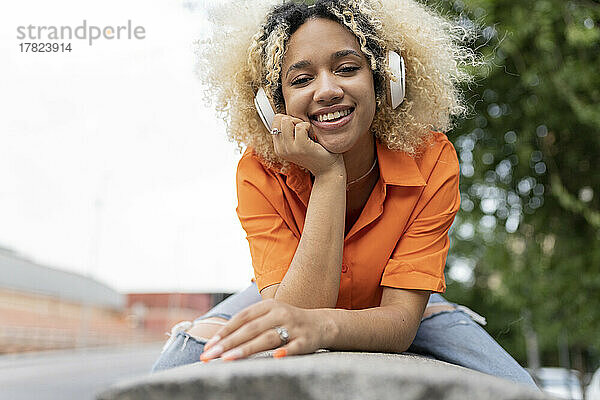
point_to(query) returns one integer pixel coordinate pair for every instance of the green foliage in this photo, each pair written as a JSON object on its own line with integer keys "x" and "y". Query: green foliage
{"x": 527, "y": 240}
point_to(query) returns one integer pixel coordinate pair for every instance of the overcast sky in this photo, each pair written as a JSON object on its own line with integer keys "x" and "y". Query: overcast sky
{"x": 110, "y": 164}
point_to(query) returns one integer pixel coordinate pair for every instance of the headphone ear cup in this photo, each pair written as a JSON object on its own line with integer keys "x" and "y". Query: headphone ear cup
{"x": 265, "y": 108}
{"x": 395, "y": 91}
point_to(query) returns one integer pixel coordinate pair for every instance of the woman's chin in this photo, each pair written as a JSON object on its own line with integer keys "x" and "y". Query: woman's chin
{"x": 334, "y": 145}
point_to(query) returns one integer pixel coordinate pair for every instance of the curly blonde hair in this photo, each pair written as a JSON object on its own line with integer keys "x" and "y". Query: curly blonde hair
{"x": 248, "y": 43}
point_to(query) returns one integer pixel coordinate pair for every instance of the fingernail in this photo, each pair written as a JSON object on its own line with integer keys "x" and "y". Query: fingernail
{"x": 211, "y": 342}
{"x": 280, "y": 353}
{"x": 212, "y": 353}
{"x": 232, "y": 355}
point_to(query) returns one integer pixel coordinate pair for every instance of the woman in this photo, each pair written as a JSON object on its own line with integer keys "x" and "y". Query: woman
{"x": 347, "y": 200}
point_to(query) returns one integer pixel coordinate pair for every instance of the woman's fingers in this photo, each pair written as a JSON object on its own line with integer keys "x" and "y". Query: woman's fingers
{"x": 252, "y": 337}
{"x": 303, "y": 131}
{"x": 295, "y": 143}
{"x": 277, "y": 140}
{"x": 254, "y": 330}
{"x": 268, "y": 340}
{"x": 294, "y": 119}
{"x": 288, "y": 128}
{"x": 292, "y": 348}
{"x": 284, "y": 141}
{"x": 243, "y": 317}
{"x": 243, "y": 327}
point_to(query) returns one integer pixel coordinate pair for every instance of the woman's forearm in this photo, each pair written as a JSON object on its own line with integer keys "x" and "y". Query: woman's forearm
{"x": 384, "y": 329}
{"x": 313, "y": 279}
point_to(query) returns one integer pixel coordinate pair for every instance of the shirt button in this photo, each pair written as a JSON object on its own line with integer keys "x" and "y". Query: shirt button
{"x": 344, "y": 268}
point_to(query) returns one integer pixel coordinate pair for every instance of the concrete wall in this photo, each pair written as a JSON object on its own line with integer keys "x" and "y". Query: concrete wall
{"x": 326, "y": 375}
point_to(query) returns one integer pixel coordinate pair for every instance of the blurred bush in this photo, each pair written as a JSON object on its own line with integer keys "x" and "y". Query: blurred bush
{"x": 526, "y": 243}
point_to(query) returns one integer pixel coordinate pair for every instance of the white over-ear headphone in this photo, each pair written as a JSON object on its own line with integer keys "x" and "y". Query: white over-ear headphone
{"x": 394, "y": 91}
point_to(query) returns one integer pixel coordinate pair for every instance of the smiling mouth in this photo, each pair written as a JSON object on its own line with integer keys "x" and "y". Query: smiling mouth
{"x": 332, "y": 117}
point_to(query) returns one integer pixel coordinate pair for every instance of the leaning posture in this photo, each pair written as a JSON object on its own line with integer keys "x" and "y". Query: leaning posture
{"x": 347, "y": 187}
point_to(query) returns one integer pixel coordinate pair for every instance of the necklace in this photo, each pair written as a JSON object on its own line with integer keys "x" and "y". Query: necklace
{"x": 362, "y": 177}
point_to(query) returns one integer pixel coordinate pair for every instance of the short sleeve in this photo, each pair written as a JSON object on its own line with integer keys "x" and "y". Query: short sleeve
{"x": 419, "y": 258}
{"x": 272, "y": 243}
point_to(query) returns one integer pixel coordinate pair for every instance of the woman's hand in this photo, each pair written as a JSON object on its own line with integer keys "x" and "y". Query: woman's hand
{"x": 254, "y": 330}
{"x": 293, "y": 144}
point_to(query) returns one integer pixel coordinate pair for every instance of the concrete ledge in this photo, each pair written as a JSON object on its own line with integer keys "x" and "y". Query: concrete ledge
{"x": 325, "y": 375}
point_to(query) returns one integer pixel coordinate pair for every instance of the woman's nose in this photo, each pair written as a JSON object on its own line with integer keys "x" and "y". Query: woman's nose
{"x": 327, "y": 89}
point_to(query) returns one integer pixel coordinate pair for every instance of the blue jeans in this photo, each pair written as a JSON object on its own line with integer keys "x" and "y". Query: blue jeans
{"x": 451, "y": 336}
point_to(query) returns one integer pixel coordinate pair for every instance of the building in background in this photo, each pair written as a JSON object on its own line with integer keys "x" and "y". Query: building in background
{"x": 158, "y": 312}
{"x": 44, "y": 308}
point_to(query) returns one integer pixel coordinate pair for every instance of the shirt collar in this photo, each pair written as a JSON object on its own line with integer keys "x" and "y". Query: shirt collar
{"x": 398, "y": 168}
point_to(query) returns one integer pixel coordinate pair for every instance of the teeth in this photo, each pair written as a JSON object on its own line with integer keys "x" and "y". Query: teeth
{"x": 334, "y": 115}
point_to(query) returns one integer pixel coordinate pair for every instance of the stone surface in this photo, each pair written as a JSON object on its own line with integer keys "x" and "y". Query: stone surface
{"x": 335, "y": 375}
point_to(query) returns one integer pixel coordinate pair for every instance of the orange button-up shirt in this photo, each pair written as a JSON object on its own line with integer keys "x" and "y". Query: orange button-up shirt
{"x": 400, "y": 239}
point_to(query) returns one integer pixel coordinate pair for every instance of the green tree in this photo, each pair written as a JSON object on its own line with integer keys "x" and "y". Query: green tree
{"x": 526, "y": 244}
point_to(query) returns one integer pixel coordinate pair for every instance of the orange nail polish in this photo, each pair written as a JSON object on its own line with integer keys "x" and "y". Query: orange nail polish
{"x": 279, "y": 353}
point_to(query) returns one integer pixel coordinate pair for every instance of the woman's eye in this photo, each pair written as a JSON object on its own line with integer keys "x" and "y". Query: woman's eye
{"x": 300, "y": 81}
{"x": 348, "y": 69}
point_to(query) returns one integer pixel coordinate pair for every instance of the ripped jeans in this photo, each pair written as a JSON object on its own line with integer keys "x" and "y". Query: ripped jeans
{"x": 451, "y": 335}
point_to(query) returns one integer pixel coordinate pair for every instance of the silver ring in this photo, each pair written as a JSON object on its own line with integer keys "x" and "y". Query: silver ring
{"x": 283, "y": 335}
{"x": 275, "y": 131}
